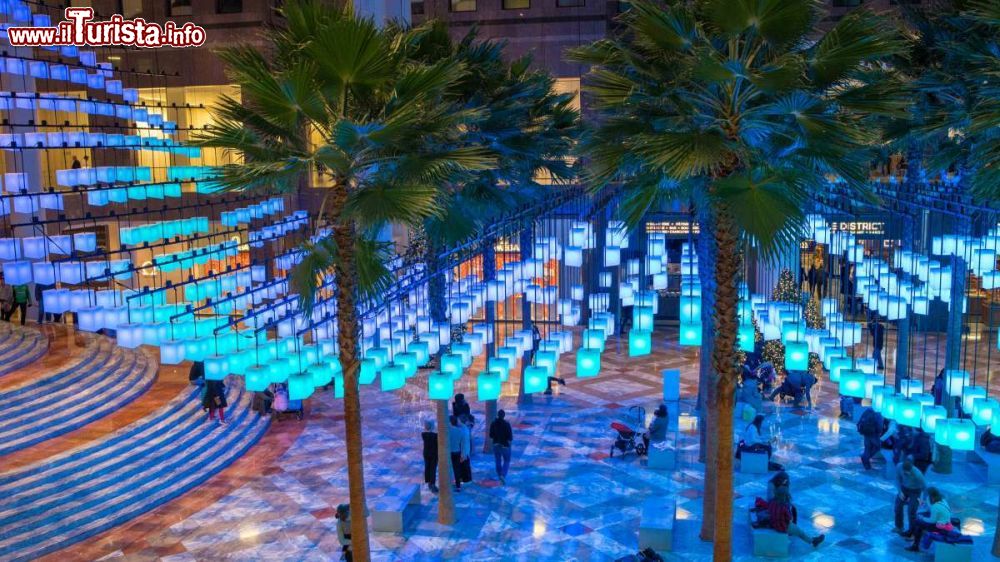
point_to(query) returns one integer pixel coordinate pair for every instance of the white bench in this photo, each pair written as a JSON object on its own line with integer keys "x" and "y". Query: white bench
{"x": 753, "y": 463}
{"x": 992, "y": 461}
{"x": 769, "y": 543}
{"x": 946, "y": 552}
{"x": 661, "y": 456}
{"x": 389, "y": 510}
{"x": 656, "y": 524}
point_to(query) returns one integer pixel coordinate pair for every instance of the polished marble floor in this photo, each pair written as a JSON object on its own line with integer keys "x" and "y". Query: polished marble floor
{"x": 564, "y": 500}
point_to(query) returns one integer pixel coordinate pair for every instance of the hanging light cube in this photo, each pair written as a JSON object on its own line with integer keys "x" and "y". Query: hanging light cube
{"x": 956, "y": 381}
{"x": 942, "y": 429}
{"x": 796, "y": 356}
{"x": 440, "y": 386}
{"x": 961, "y": 435}
{"x": 745, "y": 338}
{"x": 984, "y": 410}
{"x": 640, "y": 342}
{"x": 690, "y": 334}
{"x": 909, "y": 387}
{"x": 393, "y": 377}
{"x": 257, "y": 378}
{"x": 593, "y": 339}
{"x": 852, "y": 383}
{"x": 216, "y": 367}
{"x": 588, "y": 362}
{"x": 930, "y": 415}
{"x": 367, "y": 371}
{"x": 488, "y": 386}
{"x": 642, "y": 317}
{"x": 535, "y": 379}
{"x": 547, "y": 360}
{"x": 612, "y": 256}
{"x": 300, "y": 386}
{"x": 970, "y": 393}
{"x": 837, "y": 366}
{"x": 907, "y": 412}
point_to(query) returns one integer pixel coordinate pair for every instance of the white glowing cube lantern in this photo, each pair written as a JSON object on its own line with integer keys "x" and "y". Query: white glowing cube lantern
{"x": 909, "y": 387}
{"x": 969, "y": 394}
{"x": 659, "y": 281}
{"x": 956, "y": 381}
{"x": 573, "y": 256}
{"x": 576, "y": 292}
{"x": 612, "y": 256}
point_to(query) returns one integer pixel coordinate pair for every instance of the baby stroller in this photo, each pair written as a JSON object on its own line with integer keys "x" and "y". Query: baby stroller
{"x": 626, "y": 440}
{"x": 282, "y": 405}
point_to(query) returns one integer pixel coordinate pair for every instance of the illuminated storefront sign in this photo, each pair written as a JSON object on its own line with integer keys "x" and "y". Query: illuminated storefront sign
{"x": 673, "y": 228}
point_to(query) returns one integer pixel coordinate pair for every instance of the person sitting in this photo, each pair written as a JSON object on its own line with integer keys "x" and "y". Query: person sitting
{"x": 937, "y": 518}
{"x": 752, "y": 440}
{"x": 779, "y": 480}
{"x": 784, "y": 517}
{"x": 989, "y": 442}
{"x": 657, "y": 432}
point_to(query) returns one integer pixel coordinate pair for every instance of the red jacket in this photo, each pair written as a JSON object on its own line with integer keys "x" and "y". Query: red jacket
{"x": 781, "y": 516}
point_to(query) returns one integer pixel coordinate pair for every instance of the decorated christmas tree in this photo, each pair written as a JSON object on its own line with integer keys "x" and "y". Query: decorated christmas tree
{"x": 813, "y": 317}
{"x": 787, "y": 289}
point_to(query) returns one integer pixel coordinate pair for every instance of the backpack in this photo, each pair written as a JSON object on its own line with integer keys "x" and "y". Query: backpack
{"x": 870, "y": 423}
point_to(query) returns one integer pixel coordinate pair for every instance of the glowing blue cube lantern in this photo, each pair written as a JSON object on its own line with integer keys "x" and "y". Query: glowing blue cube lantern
{"x": 745, "y": 338}
{"x": 422, "y": 350}
{"x": 465, "y": 350}
{"x": 321, "y": 373}
{"x": 172, "y": 352}
{"x": 499, "y": 366}
{"x": 408, "y": 361}
{"x": 367, "y": 371}
{"x": 852, "y": 383}
{"x": 535, "y": 379}
{"x": 955, "y": 381}
{"x": 488, "y": 386}
{"x": 393, "y": 377}
{"x": 879, "y": 396}
{"x": 793, "y": 332}
{"x": 510, "y": 353}
{"x": 797, "y": 356}
{"x": 690, "y": 308}
{"x": 257, "y": 378}
{"x": 930, "y": 416}
{"x": 451, "y": 364}
{"x": 907, "y": 412}
{"x": 970, "y": 393}
{"x": 642, "y": 317}
{"x": 216, "y": 367}
{"x": 640, "y": 342}
{"x": 588, "y": 362}
{"x": 837, "y": 366}
{"x": 690, "y": 334}
{"x": 942, "y": 429}
{"x": 593, "y": 339}
{"x": 984, "y": 410}
{"x": 961, "y": 435}
{"x": 300, "y": 386}
{"x": 440, "y": 386}
{"x": 547, "y": 360}
{"x": 379, "y": 355}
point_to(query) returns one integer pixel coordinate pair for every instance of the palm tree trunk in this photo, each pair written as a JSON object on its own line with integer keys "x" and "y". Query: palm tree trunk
{"x": 446, "y": 501}
{"x": 347, "y": 326}
{"x": 706, "y": 377}
{"x": 727, "y": 266}
{"x": 436, "y": 289}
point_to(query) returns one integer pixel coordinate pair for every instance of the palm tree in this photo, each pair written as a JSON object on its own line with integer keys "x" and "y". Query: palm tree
{"x": 338, "y": 96}
{"x": 744, "y": 108}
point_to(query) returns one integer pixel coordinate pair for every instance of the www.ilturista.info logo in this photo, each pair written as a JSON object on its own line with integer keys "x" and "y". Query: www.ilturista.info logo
{"x": 79, "y": 29}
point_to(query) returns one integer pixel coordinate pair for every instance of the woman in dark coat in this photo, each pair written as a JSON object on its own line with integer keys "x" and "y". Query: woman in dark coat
{"x": 213, "y": 399}
{"x": 430, "y": 438}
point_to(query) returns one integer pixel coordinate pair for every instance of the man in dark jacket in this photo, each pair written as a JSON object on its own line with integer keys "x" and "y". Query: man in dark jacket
{"x": 501, "y": 435}
{"x": 870, "y": 428}
{"x": 878, "y": 341}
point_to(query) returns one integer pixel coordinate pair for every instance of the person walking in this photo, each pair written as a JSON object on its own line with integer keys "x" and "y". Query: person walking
{"x": 22, "y": 299}
{"x": 6, "y": 300}
{"x": 501, "y": 434}
{"x": 910, "y": 485}
{"x": 870, "y": 428}
{"x": 458, "y": 443}
{"x": 430, "y": 439}
{"x": 463, "y": 411}
{"x": 878, "y": 341}
{"x": 213, "y": 399}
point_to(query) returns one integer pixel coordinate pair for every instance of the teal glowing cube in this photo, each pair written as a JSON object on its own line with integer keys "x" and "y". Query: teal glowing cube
{"x": 338, "y": 385}
{"x": 640, "y": 342}
{"x": 588, "y": 362}
{"x": 451, "y": 363}
{"x": 300, "y": 386}
{"x": 962, "y": 435}
{"x": 547, "y": 360}
{"x": 279, "y": 369}
{"x": 488, "y": 386}
{"x": 745, "y": 338}
{"x": 852, "y": 383}
{"x": 955, "y": 381}
{"x": 535, "y": 379}
{"x": 510, "y": 354}
{"x": 830, "y": 353}
{"x": 744, "y": 311}
{"x": 690, "y": 334}
{"x": 930, "y": 416}
{"x": 465, "y": 350}
{"x": 309, "y": 354}
{"x": 257, "y": 378}
{"x": 797, "y": 356}
{"x": 889, "y": 405}
{"x": 393, "y": 377}
{"x": 837, "y": 366}
{"x": 321, "y": 374}
{"x": 379, "y": 355}
{"x": 907, "y": 412}
{"x": 879, "y": 396}
{"x": 500, "y": 366}
{"x": 969, "y": 393}
{"x": 593, "y": 339}
{"x": 367, "y": 371}
{"x": 793, "y": 332}
{"x": 408, "y": 361}
{"x": 871, "y": 382}
{"x": 422, "y": 350}
{"x": 942, "y": 429}
{"x": 984, "y": 410}
{"x": 690, "y": 308}
{"x": 216, "y": 367}
{"x": 440, "y": 386}
{"x": 547, "y": 345}
{"x": 642, "y": 317}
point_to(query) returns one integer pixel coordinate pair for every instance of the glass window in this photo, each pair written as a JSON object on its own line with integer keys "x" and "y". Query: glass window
{"x": 228, "y": 6}
{"x": 516, "y": 4}
{"x": 569, "y": 3}
{"x": 463, "y": 5}
{"x": 179, "y": 7}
